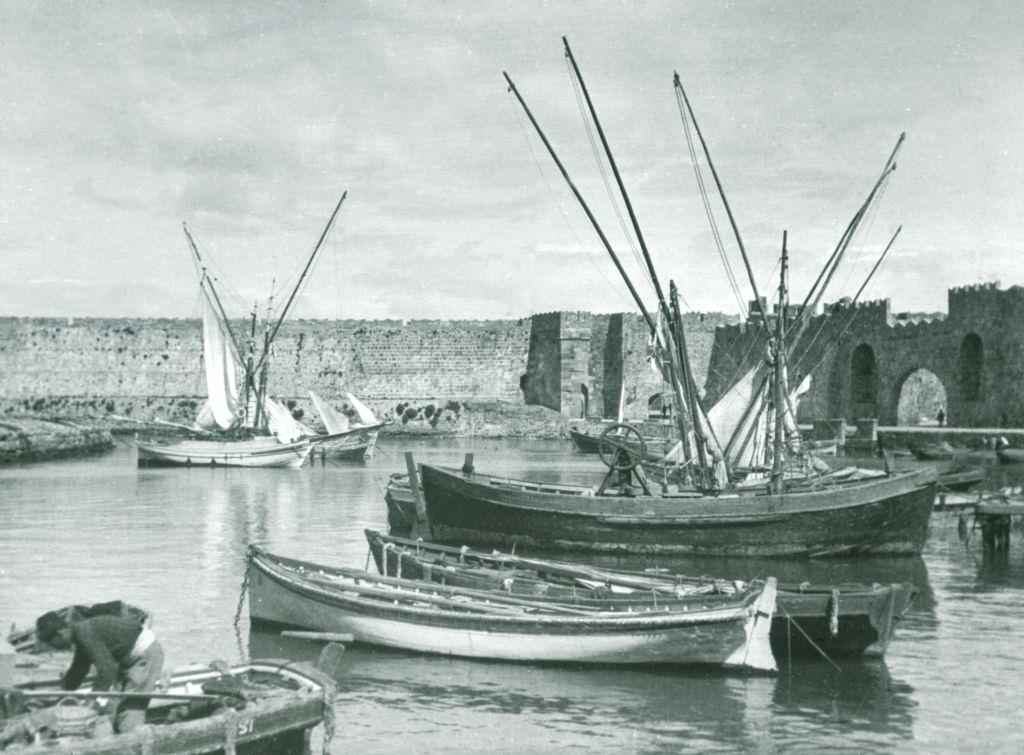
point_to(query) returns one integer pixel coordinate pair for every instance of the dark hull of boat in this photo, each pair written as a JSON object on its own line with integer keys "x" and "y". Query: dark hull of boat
{"x": 1011, "y": 455}
{"x": 888, "y": 516}
{"x": 932, "y": 454}
{"x": 960, "y": 481}
{"x": 585, "y": 444}
{"x": 865, "y": 617}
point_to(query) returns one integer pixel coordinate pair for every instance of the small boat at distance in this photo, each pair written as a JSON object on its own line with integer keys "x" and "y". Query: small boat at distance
{"x": 728, "y": 630}
{"x": 346, "y": 440}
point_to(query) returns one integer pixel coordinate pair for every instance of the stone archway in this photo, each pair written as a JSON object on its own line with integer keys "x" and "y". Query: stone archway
{"x": 659, "y": 406}
{"x": 921, "y": 399}
{"x": 863, "y": 382}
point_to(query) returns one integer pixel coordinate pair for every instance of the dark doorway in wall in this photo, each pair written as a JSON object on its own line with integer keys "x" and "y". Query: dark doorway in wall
{"x": 584, "y": 400}
{"x": 972, "y": 357}
{"x": 863, "y": 382}
{"x": 524, "y": 382}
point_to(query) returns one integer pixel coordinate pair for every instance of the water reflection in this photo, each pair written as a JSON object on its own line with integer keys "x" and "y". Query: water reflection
{"x": 174, "y": 540}
{"x": 603, "y": 709}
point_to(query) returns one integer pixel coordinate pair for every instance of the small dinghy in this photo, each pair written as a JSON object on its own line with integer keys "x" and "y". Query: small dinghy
{"x": 257, "y": 706}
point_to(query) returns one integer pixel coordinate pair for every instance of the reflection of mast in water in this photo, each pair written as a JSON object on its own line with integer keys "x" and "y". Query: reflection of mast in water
{"x": 216, "y": 532}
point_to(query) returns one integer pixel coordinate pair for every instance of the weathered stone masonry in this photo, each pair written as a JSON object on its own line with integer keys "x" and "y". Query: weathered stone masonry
{"x": 486, "y": 376}
{"x": 976, "y": 351}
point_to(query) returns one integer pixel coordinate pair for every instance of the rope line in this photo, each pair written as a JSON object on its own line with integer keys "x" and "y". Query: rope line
{"x": 709, "y": 211}
{"x": 587, "y": 253}
{"x": 807, "y": 637}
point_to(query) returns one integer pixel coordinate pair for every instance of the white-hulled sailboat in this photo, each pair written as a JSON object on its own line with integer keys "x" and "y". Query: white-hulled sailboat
{"x": 239, "y": 425}
{"x": 346, "y": 440}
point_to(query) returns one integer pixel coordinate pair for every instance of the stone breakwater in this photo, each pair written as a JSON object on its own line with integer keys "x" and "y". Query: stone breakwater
{"x": 30, "y": 439}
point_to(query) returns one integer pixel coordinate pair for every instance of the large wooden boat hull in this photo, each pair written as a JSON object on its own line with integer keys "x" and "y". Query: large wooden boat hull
{"x": 843, "y": 620}
{"x": 729, "y": 634}
{"x": 887, "y": 515}
{"x": 264, "y": 451}
{"x": 284, "y": 701}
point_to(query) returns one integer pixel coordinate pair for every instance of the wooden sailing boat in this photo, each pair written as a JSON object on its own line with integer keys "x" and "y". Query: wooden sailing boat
{"x": 793, "y": 511}
{"x": 347, "y": 440}
{"x": 240, "y": 427}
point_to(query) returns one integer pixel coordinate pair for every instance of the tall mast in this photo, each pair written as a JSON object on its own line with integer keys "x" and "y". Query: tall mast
{"x": 618, "y": 180}
{"x": 780, "y": 398}
{"x": 691, "y": 387}
{"x": 206, "y": 283}
{"x": 817, "y": 291}
{"x": 272, "y": 334}
{"x": 586, "y": 209}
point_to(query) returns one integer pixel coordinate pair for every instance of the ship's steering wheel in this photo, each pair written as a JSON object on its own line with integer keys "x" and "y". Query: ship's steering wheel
{"x": 622, "y": 447}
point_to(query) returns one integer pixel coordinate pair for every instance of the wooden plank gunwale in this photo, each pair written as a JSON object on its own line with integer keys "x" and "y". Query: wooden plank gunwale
{"x": 883, "y": 515}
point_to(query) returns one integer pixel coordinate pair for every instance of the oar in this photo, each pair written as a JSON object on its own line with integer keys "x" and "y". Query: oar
{"x": 91, "y": 695}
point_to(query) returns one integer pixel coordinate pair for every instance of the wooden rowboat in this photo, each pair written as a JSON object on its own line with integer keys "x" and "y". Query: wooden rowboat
{"x": 260, "y": 451}
{"x": 728, "y": 631}
{"x": 885, "y": 515}
{"x": 840, "y": 620}
{"x": 257, "y": 706}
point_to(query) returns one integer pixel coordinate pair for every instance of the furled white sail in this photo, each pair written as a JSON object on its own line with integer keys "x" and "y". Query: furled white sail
{"x": 281, "y": 422}
{"x": 220, "y": 362}
{"x": 727, "y": 413}
{"x": 366, "y": 415}
{"x": 334, "y": 421}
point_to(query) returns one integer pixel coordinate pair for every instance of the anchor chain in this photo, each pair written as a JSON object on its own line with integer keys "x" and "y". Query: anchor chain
{"x": 238, "y": 612}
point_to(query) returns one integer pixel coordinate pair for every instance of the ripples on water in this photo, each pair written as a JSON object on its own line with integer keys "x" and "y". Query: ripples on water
{"x": 173, "y": 540}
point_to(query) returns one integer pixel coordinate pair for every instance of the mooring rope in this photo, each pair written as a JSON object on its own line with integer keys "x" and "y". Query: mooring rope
{"x": 807, "y": 637}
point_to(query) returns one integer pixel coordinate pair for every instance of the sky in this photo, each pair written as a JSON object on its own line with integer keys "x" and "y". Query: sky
{"x": 121, "y": 120}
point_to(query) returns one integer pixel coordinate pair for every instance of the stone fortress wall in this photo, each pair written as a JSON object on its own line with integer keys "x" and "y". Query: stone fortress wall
{"x": 528, "y": 376}
{"x": 862, "y": 357}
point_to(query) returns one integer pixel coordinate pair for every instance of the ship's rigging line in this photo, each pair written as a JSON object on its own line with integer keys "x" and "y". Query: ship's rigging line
{"x": 709, "y": 211}
{"x": 604, "y": 175}
{"x": 872, "y": 215}
{"x": 586, "y": 250}
{"x": 855, "y": 311}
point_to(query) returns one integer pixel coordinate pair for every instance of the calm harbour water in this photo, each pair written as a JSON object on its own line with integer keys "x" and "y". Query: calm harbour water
{"x": 173, "y": 541}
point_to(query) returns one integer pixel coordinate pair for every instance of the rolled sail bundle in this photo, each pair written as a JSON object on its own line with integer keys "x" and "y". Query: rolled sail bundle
{"x": 718, "y": 630}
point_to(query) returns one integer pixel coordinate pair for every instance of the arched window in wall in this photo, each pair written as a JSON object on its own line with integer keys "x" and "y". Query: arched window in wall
{"x": 971, "y": 360}
{"x": 659, "y": 406}
{"x": 863, "y": 375}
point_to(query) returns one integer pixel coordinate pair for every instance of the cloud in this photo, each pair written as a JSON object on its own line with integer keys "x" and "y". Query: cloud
{"x": 123, "y": 120}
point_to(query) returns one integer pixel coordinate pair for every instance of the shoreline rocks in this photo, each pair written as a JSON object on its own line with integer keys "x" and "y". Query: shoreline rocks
{"x": 24, "y": 439}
